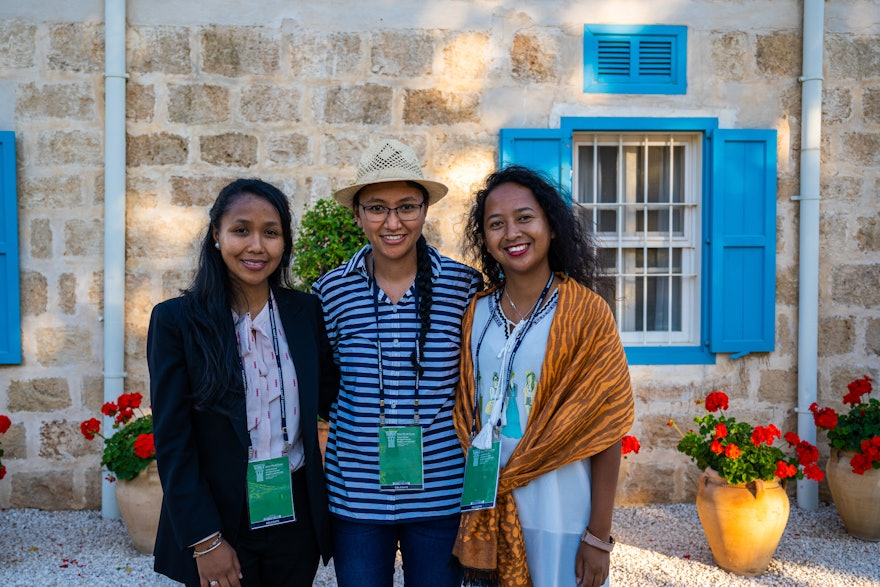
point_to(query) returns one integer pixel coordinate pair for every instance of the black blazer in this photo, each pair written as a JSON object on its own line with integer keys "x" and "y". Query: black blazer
{"x": 202, "y": 454}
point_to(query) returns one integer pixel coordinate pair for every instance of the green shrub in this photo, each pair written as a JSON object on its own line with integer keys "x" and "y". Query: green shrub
{"x": 328, "y": 236}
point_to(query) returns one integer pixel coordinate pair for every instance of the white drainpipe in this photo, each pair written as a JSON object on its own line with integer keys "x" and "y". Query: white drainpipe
{"x": 114, "y": 219}
{"x": 808, "y": 301}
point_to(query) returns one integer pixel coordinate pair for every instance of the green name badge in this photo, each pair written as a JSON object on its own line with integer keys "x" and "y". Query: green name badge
{"x": 270, "y": 495}
{"x": 400, "y": 458}
{"x": 481, "y": 471}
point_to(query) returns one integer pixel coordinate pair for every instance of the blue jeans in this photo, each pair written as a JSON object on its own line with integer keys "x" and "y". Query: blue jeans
{"x": 364, "y": 553}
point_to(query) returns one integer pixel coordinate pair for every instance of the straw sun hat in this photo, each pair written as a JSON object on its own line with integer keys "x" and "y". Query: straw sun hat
{"x": 388, "y": 161}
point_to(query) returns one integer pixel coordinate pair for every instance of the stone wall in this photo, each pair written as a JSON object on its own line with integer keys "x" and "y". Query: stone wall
{"x": 292, "y": 93}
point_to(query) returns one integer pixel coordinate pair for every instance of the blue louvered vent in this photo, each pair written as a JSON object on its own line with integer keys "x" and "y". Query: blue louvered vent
{"x": 648, "y": 59}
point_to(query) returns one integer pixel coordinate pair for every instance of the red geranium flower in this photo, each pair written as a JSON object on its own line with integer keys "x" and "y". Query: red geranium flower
{"x": 630, "y": 444}
{"x": 732, "y": 451}
{"x": 825, "y": 418}
{"x": 720, "y": 431}
{"x": 792, "y": 438}
{"x": 130, "y": 401}
{"x": 2, "y": 471}
{"x": 812, "y": 471}
{"x": 785, "y": 470}
{"x": 90, "y": 428}
{"x": 143, "y": 446}
{"x": 857, "y": 389}
{"x": 765, "y": 435}
{"x": 5, "y": 423}
{"x": 716, "y": 447}
{"x": 717, "y": 400}
{"x": 806, "y": 453}
{"x": 109, "y": 409}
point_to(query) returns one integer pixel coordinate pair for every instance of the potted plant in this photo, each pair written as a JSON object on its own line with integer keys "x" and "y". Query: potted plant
{"x": 130, "y": 457}
{"x": 5, "y": 423}
{"x": 854, "y": 461}
{"x": 741, "y": 499}
{"x": 328, "y": 236}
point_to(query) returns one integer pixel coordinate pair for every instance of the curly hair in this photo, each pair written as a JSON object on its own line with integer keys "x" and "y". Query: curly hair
{"x": 573, "y": 251}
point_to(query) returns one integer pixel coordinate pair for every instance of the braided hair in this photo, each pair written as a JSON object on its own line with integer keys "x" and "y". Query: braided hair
{"x": 425, "y": 286}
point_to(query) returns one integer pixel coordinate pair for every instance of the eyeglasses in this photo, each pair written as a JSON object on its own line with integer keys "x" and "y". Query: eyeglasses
{"x": 377, "y": 213}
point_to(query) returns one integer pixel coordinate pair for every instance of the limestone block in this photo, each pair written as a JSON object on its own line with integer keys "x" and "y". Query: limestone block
{"x": 861, "y": 148}
{"x": 140, "y": 102}
{"x": 400, "y": 54}
{"x": 156, "y": 149}
{"x": 76, "y": 47}
{"x": 650, "y": 482}
{"x": 17, "y": 44}
{"x": 73, "y": 101}
{"x": 14, "y": 442}
{"x": 430, "y": 107}
{"x": 83, "y": 237}
{"x": 93, "y": 392}
{"x": 534, "y": 58}
{"x": 321, "y": 56}
{"x": 466, "y": 56}
{"x": 778, "y": 386}
{"x": 141, "y": 192}
{"x": 63, "y": 346}
{"x": 33, "y": 293}
{"x": 841, "y": 187}
{"x": 196, "y": 191}
{"x": 239, "y": 50}
{"x": 70, "y": 147}
{"x": 785, "y": 340}
{"x": 43, "y": 394}
{"x": 232, "y": 149}
{"x": 93, "y": 479}
{"x": 161, "y": 49}
{"x": 198, "y": 103}
{"x": 779, "y": 54}
{"x": 836, "y": 105}
{"x": 836, "y": 335}
{"x": 366, "y": 104}
{"x": 730, "y": 54}
{"x": 872, "y": 337}
{"x": 62, "y": 440}
{"x": 96, "y": 291}
{"x": 270, "y": 103}
{"x": 856, "y": 285}
{"x": 288, "y": 149}
{"x": 41, "y": 238}
{"x": 174, "y": 281}
{"x": 67, "y": 293}
{"x": 53, "y": 192}
{"x": 851, "y": 57}
{"x": 871, "y": 105}
{"x": 45, "y": 490}
{"x": 868, "y": 235}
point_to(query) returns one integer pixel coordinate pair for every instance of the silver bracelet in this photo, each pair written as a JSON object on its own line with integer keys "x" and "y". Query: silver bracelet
{"x": 590, "y": 539}
{"x": 218, "y": 540}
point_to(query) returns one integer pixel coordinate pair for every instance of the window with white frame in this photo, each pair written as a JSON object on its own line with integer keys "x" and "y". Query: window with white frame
{"x": 685, "y": 213}
{"x": 641, "y": 194}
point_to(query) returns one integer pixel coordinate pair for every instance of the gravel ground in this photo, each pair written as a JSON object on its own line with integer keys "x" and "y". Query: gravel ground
{"x": 657, "y": 546}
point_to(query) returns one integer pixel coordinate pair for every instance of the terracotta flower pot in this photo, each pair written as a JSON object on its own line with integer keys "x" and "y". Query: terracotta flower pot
{"x": 743, "y": 523}
{"x": 139, "y": 501}
{"x": 857, "y": 497}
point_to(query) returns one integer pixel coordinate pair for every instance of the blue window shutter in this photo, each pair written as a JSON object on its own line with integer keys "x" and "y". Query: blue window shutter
{"x": 546, "y": 150}
{"x": 742, "y": 242}
{"x": 10, "y": 312}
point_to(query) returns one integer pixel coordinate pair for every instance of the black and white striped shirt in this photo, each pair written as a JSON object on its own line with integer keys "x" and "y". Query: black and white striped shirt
{"x": 352, "y": 460}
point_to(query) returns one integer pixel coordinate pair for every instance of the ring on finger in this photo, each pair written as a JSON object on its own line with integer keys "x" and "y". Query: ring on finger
{"x": 213, "y": 583}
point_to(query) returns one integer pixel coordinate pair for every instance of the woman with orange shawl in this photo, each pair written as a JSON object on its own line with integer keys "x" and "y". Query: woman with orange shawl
{"x": 544, "y": 375}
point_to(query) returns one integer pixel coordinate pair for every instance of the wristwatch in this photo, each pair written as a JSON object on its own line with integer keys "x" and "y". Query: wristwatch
{"x": 588, "y": 538}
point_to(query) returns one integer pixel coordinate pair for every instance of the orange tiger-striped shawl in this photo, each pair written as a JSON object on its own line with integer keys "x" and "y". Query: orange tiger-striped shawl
{"x": 583, "y": 405}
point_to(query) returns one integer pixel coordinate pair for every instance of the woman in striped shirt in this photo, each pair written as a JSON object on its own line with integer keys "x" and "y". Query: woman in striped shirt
{"x": 393, "y": 313}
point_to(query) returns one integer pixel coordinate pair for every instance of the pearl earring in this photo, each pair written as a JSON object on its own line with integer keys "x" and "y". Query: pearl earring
{"x": 217, "y": 246}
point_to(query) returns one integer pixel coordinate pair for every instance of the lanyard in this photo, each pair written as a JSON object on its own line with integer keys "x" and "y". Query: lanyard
{"x": 519, "y": 333}
{"x": 283, "y": 405}
{"x": 374, "y": 288}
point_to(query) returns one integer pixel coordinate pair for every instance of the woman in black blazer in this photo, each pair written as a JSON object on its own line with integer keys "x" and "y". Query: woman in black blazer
{"x": 240, "y": 368}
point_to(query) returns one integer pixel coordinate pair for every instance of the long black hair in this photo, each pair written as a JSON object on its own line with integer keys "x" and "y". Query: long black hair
{"x": 424, "y": 282}
{"x": 573, "y": 251}
{"x": 211, "y": 295}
